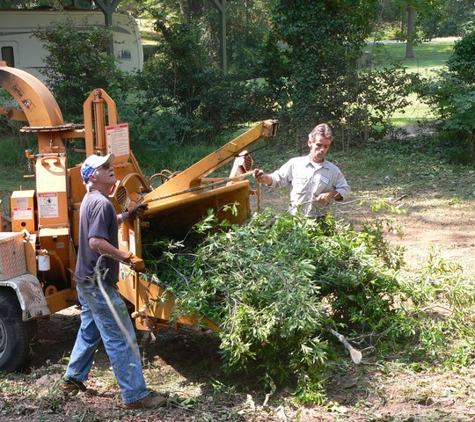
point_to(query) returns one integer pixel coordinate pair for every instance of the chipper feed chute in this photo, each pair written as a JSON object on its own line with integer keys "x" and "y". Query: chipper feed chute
{"x": 180, "y": 202}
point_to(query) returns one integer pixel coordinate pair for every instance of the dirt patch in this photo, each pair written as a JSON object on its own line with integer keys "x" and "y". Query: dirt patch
{"x": 431, "y": 227}
{"x": 185, "y": 367}
{"x": 446, "y": 228}
{"x": 429, "y": 221}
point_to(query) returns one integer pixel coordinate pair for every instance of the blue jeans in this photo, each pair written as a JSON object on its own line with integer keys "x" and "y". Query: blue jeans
{"x": 97, "y": 322}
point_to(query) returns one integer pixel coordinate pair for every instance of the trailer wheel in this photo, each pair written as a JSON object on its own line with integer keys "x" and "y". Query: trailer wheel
{"x": 17, "y": 338}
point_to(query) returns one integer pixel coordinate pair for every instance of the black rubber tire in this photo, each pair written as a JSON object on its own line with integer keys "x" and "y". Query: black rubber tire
{"x": 17, "y": 338}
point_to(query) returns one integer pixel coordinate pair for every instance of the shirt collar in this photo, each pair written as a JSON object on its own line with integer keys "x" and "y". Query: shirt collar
{"x": 316, "y": 166}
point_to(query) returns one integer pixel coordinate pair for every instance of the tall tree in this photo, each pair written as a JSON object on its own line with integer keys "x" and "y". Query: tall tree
{"x": 410, "y": 32}
{"x": 323, "y": 42}
{"x": 246, "y": 23}
{"x": 416, "y": 11}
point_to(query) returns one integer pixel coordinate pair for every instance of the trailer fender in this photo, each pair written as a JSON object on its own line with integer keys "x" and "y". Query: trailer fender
{"x": 30, "y": 296}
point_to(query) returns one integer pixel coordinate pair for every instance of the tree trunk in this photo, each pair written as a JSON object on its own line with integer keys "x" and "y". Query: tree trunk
{"x": 410, "y": 32}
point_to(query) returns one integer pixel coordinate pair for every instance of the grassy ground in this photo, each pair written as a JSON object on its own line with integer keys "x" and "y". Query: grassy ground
{"x": 149, "y": 36}
{"x": 429, "y": 56}
{"x": 185, "y": 366}
{"x": 414, "y": 113}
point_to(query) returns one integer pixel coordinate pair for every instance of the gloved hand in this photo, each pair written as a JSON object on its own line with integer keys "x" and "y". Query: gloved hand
{"x": 261, "y": 176}
{"x": 139, "y": 210}
{"x": 258, "y": 173}
{"x": 136, "y": 263}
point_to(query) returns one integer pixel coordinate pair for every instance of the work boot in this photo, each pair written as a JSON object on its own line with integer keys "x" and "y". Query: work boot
{"x": 149, "y": 402}
{"x": 73, "y": 386}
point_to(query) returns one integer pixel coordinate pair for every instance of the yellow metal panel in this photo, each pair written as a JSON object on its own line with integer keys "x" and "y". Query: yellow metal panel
{"x": 57, "y": 242}
{"x": 176, "y": 215}
{"x": 51, "y": 190}
{"x": 62, "y": 300}
{"x": 22, "y": 209}
{"x": 30, "y": 254}
{"x": 76, "y": 186}
{"x": 77, "y": 191}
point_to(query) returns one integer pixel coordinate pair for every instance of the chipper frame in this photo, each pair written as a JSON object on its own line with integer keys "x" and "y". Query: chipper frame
{"x": 38, "y": 254}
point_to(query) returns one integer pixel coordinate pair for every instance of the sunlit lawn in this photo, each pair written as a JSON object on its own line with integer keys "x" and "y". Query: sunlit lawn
{"x": 430, "y": 57}
{"x": 414, "y": 113}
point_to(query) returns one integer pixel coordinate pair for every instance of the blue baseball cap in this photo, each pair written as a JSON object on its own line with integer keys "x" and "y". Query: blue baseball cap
{"x": 93, "y": 162}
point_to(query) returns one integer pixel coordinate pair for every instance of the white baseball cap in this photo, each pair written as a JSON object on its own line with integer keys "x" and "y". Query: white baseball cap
{"x": 93, "y": 162}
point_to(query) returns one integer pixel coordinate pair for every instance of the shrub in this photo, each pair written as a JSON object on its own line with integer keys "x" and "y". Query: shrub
{"x": 451, "y": 95}
{"x": 78, "y": 63}
{"x": 453, "y": 101}
{"x": 181, "y": 79}
{"x": 462, "y": 60}
{"x": 276, "y": 284}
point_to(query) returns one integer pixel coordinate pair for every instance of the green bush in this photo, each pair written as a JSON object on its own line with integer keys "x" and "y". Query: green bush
{"x": 364, "y": 105}
{"x": 453, "y": 102}
{"x": 462, "y": 60}
{"x": 181, "y": 80}
{"x": 78, "y": 63}
{"x": 451, "y": 95}
{"x": 276, "y": 284}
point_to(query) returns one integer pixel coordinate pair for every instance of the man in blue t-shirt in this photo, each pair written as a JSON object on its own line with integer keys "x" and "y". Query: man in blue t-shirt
{"x": 105, "y": 318}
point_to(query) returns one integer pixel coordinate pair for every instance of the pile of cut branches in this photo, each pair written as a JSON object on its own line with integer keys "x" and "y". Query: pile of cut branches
{"x": 289, "y": 291}
{"x": 285, "y": 289}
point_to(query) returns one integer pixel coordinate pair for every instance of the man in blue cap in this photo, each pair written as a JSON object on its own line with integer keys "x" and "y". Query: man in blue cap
{"x": 97, "y": 271}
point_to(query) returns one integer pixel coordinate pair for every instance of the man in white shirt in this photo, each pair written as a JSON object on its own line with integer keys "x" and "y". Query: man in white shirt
{"x": 314, "y": 181}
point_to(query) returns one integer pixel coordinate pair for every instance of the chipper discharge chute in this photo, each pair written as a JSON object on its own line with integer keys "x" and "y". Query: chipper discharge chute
{"x": 45, "y": 219}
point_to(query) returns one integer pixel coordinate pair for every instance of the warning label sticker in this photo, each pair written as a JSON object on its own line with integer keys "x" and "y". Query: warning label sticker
{"x": 118, "y": 139}
{"x": 48, "y": 205}
{"x": 23, "y": 213}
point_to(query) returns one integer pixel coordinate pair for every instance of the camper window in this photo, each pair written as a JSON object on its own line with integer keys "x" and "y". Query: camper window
{"x": 7, "y": 56}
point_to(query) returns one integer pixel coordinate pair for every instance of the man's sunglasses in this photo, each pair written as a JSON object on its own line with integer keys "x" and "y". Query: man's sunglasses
{"x": 105, "y": 166}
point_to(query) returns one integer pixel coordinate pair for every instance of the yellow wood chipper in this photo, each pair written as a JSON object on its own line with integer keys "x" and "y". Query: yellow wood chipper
{"x": 39, "y": 237}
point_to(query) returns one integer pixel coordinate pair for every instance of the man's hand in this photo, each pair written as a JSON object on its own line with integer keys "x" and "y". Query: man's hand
{"x": 138, "y": 210}
{"x": 258, "y": 173}
{"x": 262, "y": 177}
{"x": 136, "y": 263}
{"x": 324, "y": 198}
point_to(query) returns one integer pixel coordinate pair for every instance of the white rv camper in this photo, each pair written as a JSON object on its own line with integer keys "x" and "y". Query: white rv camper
{"x": 19, "y": 48}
